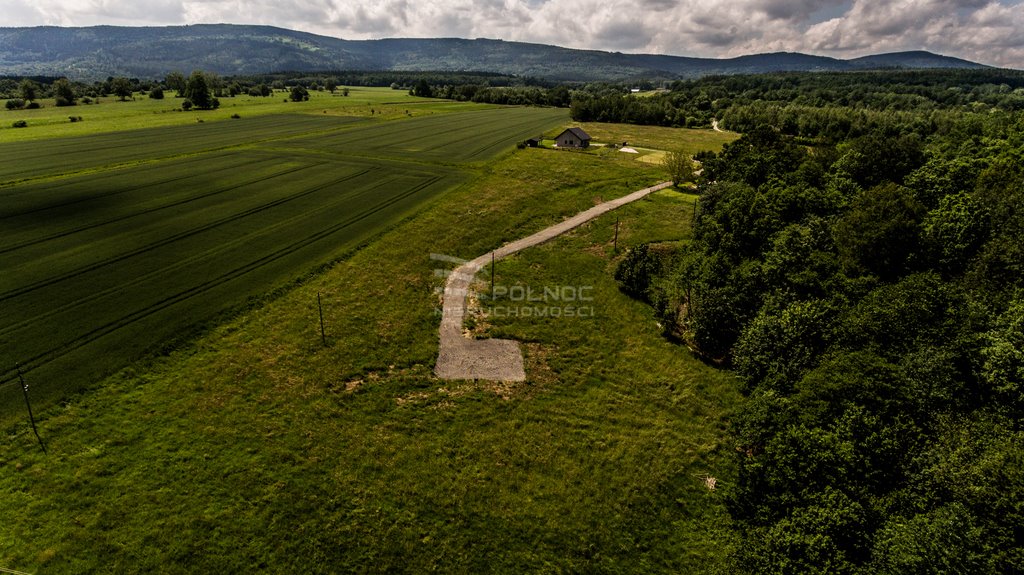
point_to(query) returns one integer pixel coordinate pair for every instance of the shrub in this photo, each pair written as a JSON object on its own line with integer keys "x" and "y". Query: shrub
{"x": 156, "y": 93}
{"x": 61, "y": 102}
{"x": 33, "y": 106}
{"x": 235, "y": 117}
{"x": 20, "y": 124}
{"x": 186, "y": 104}
{"x": 15, "y": 104}
{"x": 87, "y": 100}
{"x": 75, "y": 119}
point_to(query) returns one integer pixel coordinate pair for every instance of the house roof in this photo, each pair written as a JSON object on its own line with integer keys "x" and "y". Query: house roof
{"x": 578, "y": 132}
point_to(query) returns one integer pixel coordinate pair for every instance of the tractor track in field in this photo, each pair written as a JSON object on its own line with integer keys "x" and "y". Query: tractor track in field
{"x": 460, "y": 357}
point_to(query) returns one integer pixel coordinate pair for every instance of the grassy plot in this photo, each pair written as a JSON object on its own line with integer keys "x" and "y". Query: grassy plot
{"x": 112, "y": 115}
{"x": 259, "y": 448}
{"x": 657, "y": 137}
{"x": 459, "y": 137}
{"x": 105, "y": 267}
{"x": 27, "y": 160}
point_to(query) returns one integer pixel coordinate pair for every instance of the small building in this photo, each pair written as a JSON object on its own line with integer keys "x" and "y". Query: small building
{"x": 533, "y": 142}
{"x": 572, "y": 138}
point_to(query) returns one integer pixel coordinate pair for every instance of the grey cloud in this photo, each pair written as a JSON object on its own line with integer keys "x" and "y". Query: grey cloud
{"x": 991, "y": 31}
{"x": 626, "y": 35}
{"x": 794, "y": 10}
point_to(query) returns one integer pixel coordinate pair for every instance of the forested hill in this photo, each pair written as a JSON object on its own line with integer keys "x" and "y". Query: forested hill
{"x": 151, "y": 52}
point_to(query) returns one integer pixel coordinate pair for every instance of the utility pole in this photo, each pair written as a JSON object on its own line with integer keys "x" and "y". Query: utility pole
{"x": 31, "y": 418}
{"x": 492, "y": 278}
{"x": 320, "y": 306}
{"x": 615, "y": 246}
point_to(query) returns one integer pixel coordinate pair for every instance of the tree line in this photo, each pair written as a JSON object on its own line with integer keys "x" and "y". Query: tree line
{"x": 818, "y": 106}
{"x": 869, "y": 294}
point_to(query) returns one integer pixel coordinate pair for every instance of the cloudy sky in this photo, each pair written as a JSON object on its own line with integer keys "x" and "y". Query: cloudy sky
{"x": 987, "y": 31}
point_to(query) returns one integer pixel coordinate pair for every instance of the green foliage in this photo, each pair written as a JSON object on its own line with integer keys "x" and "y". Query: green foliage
{"x": 122, "y": 88}
{"x": 956, "y": 230}
{"x": 869, "y": 296}
{"x": 15, "y": 104}
{"x": 1002, "y": 369}
{"x": 20, "y": 124}
{"x": 636, "y": 271}
{"x": 197, "y": 91}
{"x": 156, "y": 93}
{"x": 880, "y": 232}
{"x": 176, "y": 81}
{"x": 298, "y": 94}
{"x": 679, "y": 166}
{"x": 29, "y": 90}
{"x": 422, "y": 89}
{"x": 776, "y": 348}
{"x": 64, "y": 93}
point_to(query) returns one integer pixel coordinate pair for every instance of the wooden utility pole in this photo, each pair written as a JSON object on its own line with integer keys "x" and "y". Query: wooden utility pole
{"x": 320, "y": 306}
{"x": 615, "y": 246}
{"x": 492, "y": 277}
{"x": 31, "y": 418}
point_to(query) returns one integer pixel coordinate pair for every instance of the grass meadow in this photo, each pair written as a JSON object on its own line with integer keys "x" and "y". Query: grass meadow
{"x": 258, "y": 447}
{"x": 111, "y": 114}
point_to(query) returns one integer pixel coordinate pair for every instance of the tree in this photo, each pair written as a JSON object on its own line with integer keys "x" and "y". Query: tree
{"x": 156, "y": 93}
{"x": 422, "y": 89}
{"x": 344, "y": 91}
{"x": 331, "y": 84}
{"x": 298, "y": 94}
{"x": 198, "y": 91}
{"x": 64, "y": 93}
{"x": 176, "y": 81}
{"x": 679, "y": 166}
{"x": 880, "y": 231}
{"x": 121, "y": 88}
{"x": 29, "y": 90}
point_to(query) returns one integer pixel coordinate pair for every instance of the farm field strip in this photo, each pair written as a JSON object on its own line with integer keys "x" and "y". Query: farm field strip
{"x": 150, "y": 198}
{"x": 456, "y": 137}
{"x": 264, "y": 241}
{"x": 160, "y": 244}
{"x": 147, "y": 284}
{"x": 105, "y": 266}
{"x": 28, "y": 160}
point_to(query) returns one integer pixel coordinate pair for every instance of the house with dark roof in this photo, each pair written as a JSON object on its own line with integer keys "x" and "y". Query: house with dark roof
{"x": 572, "y": 138}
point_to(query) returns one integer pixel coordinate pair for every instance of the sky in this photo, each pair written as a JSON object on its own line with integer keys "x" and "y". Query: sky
{"x": 986, "y": 31}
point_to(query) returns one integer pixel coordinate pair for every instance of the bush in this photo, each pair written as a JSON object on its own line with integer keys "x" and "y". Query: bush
{"x": 186, "y": 104}
{"x": 15, "y": 104}
{"x": 20, "y": 124}
{"x": 156, "y": 94}
{"x": 33, "y": 106}
{"x": 75, "y": 119}
{"x": 61, "y": 102}
{"x": 87, "y": 100}
{"x": 235, "y": 117}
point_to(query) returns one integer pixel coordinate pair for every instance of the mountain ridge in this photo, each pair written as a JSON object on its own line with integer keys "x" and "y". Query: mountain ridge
{"x": 231, "y": 49}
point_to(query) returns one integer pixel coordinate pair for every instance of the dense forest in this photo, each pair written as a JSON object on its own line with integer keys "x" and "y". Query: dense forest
{"x": 825, "y": 106}
{"x": 868, "y": 290}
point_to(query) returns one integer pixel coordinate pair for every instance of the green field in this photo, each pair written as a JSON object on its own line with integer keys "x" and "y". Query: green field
{"x": 256, "y": 448}
{"x": 115, "y": 244}
{"x": 51, "y": 121}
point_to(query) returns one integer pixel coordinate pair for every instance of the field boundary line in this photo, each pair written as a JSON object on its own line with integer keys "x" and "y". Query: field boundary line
{"x": 459, "y": 357}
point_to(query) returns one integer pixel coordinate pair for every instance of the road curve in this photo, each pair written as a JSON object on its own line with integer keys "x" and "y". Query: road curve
{"x": 498, "y": 359}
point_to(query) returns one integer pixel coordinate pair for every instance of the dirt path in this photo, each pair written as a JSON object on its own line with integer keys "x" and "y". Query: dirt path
{"x": 459, "y": 357}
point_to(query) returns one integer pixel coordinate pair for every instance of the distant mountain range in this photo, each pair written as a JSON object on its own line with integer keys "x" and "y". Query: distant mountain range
{"x": 152, "y": 52}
